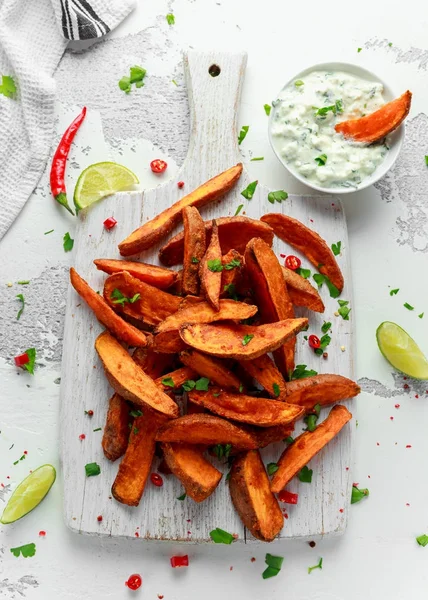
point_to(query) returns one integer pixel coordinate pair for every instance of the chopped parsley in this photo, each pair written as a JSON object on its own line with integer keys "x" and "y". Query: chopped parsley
{"x": 324, "y": 342}
{"x": 238, "y": 210}
{"x": 422, "y": 540}
{"x": 170, "y": 19}
{"x": 174, "y": 82}
{"x": 92, "y": 469}
{"x": 268, "y": 108}
{"x": 305, "y": 273}
{"x": 299, "y": 83}
{"x": 344, "y": 309}
{"x": 318, "y": 566}
{"x": 135, "y": 430}
{"x": 233, "y": 264}
{"x": 325, "y": 326}
{"x": 219, "y": 536}
{"x": 97, "y": 429}
{"x": 323, "y": 111}
{"x": 215, "y": 265}
{"x": 248, "y": 193}
{"x": 50, "y": 231}
{"x": 408, "y": 306}
{"x": 274, "y": 564}
{"x": 305, "y": 475}
{"x": 136, "y": 413}
{"x": 359, "y": 49}
{"x": 276, "y": 390}
{"x": 241, "y": 388}
{"x": 257, "y": 158}
{"x": 168, "y": 382}
{"x": 23, "y": 282}
{"x": 272, "y": 468}
{"x": 321, "y": 159}
{"x": 29, "y": 366}
{"x": 7, "y": 87}
{"x": 390, "y": 44}
{"x": 195, "y": 260}
{"x": 189, "y": 385}
{"x": 421, "y": 315}
{"x": 358, "y": 494}
{"x": 125, "y": 84}
{"x": 136, "y": 75}
{"x": 336, "y": 248}
{"x": 202, "y": 384}
{"x": 231, "y": 290}
{"x": 320, "y": 279}
{"x": 300, "y": 372}
{"x": 394, "y": 292}
{"x": 247, "y": 339}
{"x": 426, "y": 159}
{"x": 68, "y": 243}
{"x": 26, "y": 550}
{"x": 182, "y": 497}
{"x": 222, "y": 451}
{"x": 277, "y": 196}
{"x": 243, "y": 133}
{"x": 118, "y": 298}
{"x": 20, "y": 311}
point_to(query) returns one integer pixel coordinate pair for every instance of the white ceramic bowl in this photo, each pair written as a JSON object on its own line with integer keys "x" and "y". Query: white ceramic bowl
{"x": 395, "y": 139}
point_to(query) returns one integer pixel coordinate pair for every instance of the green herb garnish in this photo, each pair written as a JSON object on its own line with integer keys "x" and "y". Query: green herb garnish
{"x": 26, "y": 550}
{"x": 50, "y": 231}
{"x": 276, "y": 390}
{"x": 202, "y": 384}
{"x": 358, "y": 494}
{"x": 422, "y": 540}
{"x": 257, "y": 158}
{"x": 421, "y": 315}
{"x": 321, "y": 160}
{"x": 231, "y": 290}
{"x": 182, "y": 497}
{"x": 23, "y": 282}
{"x": 336, "y": 248}
{"x": 274, "y": 564}
{"x": 137, "y": 74}
{"x": 243, "y": 133}
{"x": 318, "y": 566}
{"x": 238, "y": 210}
{"x": 189, "y": 385}
{"x": 289, "y": 440}
{"x": 68, "y": 243}
{"x": 29, "y": 366}
{"x": 20, "y": 311}
{"x": 268, "y": 108}
{"x": 305, "y": 273}
{"x": 277, "y": 196}
{"x": 272, "y": 468}
{"x": 305, "y": 475}
{"x": 195, "y": 260}
{"x": 170, "y": 19}
{"x": 97, "y": 429}
{"x": 359, "y": 49}
{"x": 168, "y": 382}
{"x": 300, "y": 372}
{"x": 426, "y": 159}
{"x": 7, "y": 87}
{"x": 248, "y": 193}
{"x": 408, "y": 306}
{"x": 247, "y": 339}
{"x": 394, "y": 292}
{"x": 219, "y": 536}
{"x": 325, "y": 326}
{"x": 319, "y": 279}
{"x": 125, "y": 84}
{"x": 233, "y": 264}
{"x": 215, "y": 265}
{"x": 136, "y": 413}
{"x": 299, "y": 83}
{"x": 222, "y": 451}
{"x": 92, "y": 469}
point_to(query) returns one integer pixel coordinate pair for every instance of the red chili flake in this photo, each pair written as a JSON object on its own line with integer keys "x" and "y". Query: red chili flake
{"x": 408, "y": 446}
{"x": 405, "y": 378}
{"x": 347, "y": 468}
{"x": 283, "y": 255}
{"x": 341, "y": 510}
{"x": 406, "y": 386}
{"x": 416, "y": 395}
{"x": 99, "y": 518}
{"x": 21, "y": 359}
{"x": 253, "y": 559}
{"x": 288, "y": 497}
{"x": 137, "y": 534}
{"x": 25, "y": 451}
{"x": 285, "y": 515}
{"x": 377, "y": 444}
{"x": 42, "y": 533}
{"x": 156, "y": 479}
{"x": 311, "y": 220}
{"x": 180, "y": 184}
{"x": 369, "y": 476}
{"x": 160, "y": 596}
{"x": 134, "y": 581}
{"x": 392, "y": 418}
{"x": 235, "y": 536}
{"x": 325, "y": 354}
{"x": 7, "y": 476}
{"x": 189, "y": 533}
{"x": 2, "y": 484}
{"x": 188, "y": 520}
{"x": 90, "y": 413}
{"x": 314, "y": 341}
{"x": 397, "y": 406}
{"x": 293, "y": 262}
{"x": 355, "y": 484}
{"x": 110, "y": 223}
{"x": 312, "y": 544}
{"x": 407, "y": 504}
{"x": 230, "y": 568}
{"x": 179, "y": 561}
{"x": 158, "y": 166}
{"x": 82, "y": 436}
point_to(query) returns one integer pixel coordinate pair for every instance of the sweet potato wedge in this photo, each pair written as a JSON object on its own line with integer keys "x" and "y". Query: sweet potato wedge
{"x": 243, "y": 342}
{"x": 307, "y": 445}
{"x": 209, "y": 274}
{"x": 168, "y": 342}
{"x": 301, "y": 292}
{"x": 214, "y": 369}
{"x": 320, "y": 389}
{"x": 159, "y": 277}
{"x": 246, "y": 409}
{"x": 198, "y": 476}
{"x": 194, "y": 249}
{"x": 128, "y": 380}
{"x": 153, "y": 231}
{"x": 377, "y": 125}
{"x": 231, "y": 276}
{"x": 116, "y": 430}
{"x": 264, "y": 371}
{"x": 175, "y": 379}
{"x": 308, "y": 242}
{"x": 233, "y": 233}
{"x": 272, "y": 435}
{"x": 117, "y": 326}
{"x": 206, "y": 430}
{"x": 271, "y": 295}
{"x": 251, "y": 496}
{"x": 154, "y": 364}
{"x": 128, "y": 487}
{"x": 152, "y": 305}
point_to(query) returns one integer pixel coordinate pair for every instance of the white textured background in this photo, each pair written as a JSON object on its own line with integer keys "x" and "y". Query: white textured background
{"x": 378, "y": 556}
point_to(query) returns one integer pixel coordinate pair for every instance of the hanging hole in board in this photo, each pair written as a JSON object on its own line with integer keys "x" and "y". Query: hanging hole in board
{"x": 214, "y": 70}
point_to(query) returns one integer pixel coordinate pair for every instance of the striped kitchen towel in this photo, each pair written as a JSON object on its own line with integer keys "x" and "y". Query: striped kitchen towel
{"x": 33, "y": 37}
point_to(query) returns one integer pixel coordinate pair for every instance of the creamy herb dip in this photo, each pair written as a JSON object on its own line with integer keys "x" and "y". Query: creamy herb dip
{"x": 303, "y": 128}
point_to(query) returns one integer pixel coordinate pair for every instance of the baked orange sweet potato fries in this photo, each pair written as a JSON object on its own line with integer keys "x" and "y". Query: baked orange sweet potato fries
{"x": 201, "y": 361}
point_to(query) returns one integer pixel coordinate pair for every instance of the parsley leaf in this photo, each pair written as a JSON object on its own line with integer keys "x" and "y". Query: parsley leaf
{"x": 300, "y": 372}
{"x": 29, "y": 366}
{"x": 257, "y": 158}
{"x": 325, "y": 326}
{"x": 276, "y": 390}
{"x": 311, "y": 422}
{"x": 238, "y": 210}
{"x": 320, "y": 279}
{"x": 305, "y": 475}
{"x": 7, "y": 87}
{"x": 202, "y": 384}
{"x": 215, "y": 265}
{"x": 272, "y": 468}
{"x": 248, "y": 193}
{"x": 234, "y": 263}
{"x": 21, "y": 299}
{"x": 243, "y": 134}
{"x": 125, "y": 84}
{"x": 222, "y": 451}
{"x": 231, "y": 290}
{"x": 358, "y": 494}
{"x": 318, "y": 566}
{"x": 23, "y": 282}
{"x": 182, "y": 497}
{"x": 68, "y": 243}
{"x": 274, "y": 564}
{"x": 219, "y": 536}
{"x": 324, "y": 342}
{"x": 421, "y": 315}
{"x": 136, "y": 413}
{"x": 268, "y": 108}
{"x": 323, "y": 111}
{"x": 134, "y": 298}
{"x": 247, "y": 339}
{"x": 189, "y": 385}
{"x": 195, "y": 260}
{"x": 299, "y": 83}
{"x": 359, "y": 49}
{"x": 321, "y": 160}
{"x": 170, "y": 19}
{"x": 50, "y": 231}
{"x": 26, "y": 550}
{"x": 277, "y": 196}
{"x": 168, "y": 382}
{"x": 118, "y": 298}
{"x": 305, "y": 273}
{"x": 289, "y": 440}
{"x": 426, "y": 160}
{"x": 344, "y": 311}
{"x": 336, "y": 248}
{"x": 137, "y": 74}
{"x": 408, "y": 306}
{"x": 92, "y": 469}
{"x": 241, "y": 388}
{"x": 394, "y": 292}
{"x": 422, "y": 540}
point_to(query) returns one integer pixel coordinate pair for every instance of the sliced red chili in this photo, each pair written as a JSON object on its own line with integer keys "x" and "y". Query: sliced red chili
{"x": 180, "y": 184}
{"x": 179, "y": 561}
{"x": 288, "y": 497}
{"x": 134, "y": 581}
{"x": 156, "y": 479}
{"x": 22, "y": 359}
{"x": 110, "y": 223}
{"x": 314, "y": 341}
{"x": 293, "y": 262}
{"x": 158, "y": 166}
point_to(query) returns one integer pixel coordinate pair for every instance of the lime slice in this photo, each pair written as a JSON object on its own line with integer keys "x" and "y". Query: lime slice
{"x": 101, "y": 180}
{"x": 29, "y": 494}
{"x": 401, "y": 350}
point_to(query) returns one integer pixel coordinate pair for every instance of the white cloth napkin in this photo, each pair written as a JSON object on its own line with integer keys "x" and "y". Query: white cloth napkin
{"x": 33, "y": 37}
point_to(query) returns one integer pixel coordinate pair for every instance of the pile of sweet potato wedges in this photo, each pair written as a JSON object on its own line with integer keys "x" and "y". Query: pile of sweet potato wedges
{"x": 203, "y": 337}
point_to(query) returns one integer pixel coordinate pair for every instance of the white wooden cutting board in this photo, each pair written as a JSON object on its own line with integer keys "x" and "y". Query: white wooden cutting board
{"x": 323, "y": 505}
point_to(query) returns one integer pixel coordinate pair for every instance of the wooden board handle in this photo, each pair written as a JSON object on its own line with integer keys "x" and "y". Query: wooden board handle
{"x": 214, "y": 82}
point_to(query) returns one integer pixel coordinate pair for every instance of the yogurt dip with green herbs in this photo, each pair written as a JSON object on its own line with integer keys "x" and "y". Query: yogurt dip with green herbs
{"x": 303, "y": 128}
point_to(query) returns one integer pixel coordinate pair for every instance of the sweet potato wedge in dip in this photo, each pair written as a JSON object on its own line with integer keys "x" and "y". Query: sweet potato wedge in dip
{"x": 301, "y": 292}
{"x": 210, "y": 270}
{"x": 212, "y": 368}
{"x": 251, "y": 496}
{"x": 234, "y": 234}
{"x": 198, "y": 476}
{"x": 194, "y": 249}
{"x": 320, "y": 389}
{"x": 159, "y": 277}
{"x": 153, "y": 231}
{"x": 117, "y": 326}
{"x": 128, "y": 380}
{"x": 377, "y": 125}
{"x": 309, "y": 243}
{"x": 307, "y": 445}
{"x": 243, "y": 342}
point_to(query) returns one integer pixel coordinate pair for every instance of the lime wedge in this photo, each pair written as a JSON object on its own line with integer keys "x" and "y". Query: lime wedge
{"x": 29, "y": 494}
{"x": 101, "y": 180}
{"x": 401, "y": 350}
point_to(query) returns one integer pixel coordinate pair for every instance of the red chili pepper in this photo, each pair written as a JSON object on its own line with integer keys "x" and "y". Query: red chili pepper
{"x": 60, "y": 159}
{"x": 156, "y": 480}
{"x": 110, "y": 223}
{"x": 134, "y": 581}
{"x": 179, "y": 561}
{"x": 158, "y": 166}
{"x": 22, "y": 359}
{"x": 314, "y": 341}
{"x": 288, "y": 497}
{"x": 293, "y": 262}
{"x": 180, "y": 184}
